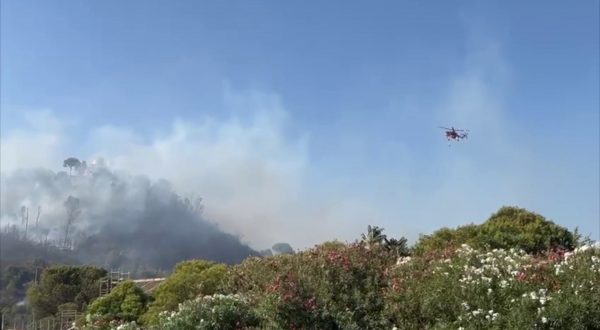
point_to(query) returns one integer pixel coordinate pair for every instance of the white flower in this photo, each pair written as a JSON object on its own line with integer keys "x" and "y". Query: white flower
{"x": 403, "y": 260}
{"x": 544, "y": 319}
{"x": 583, "y": 248}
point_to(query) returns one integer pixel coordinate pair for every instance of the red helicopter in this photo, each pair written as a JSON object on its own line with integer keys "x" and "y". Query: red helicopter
{"x": 455, "y": 134}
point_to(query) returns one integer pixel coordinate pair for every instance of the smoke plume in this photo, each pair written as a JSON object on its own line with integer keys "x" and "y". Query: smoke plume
{"x": 113, "y": 219}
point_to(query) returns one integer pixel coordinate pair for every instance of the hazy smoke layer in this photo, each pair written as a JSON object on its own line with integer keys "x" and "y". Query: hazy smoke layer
{"x": 113, "y": 219}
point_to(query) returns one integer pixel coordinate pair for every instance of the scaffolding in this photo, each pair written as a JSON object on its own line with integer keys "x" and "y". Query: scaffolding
{"x": 115, "y": 278}
{"x": 67, "y": 319}
{"x": 63, "y": 321}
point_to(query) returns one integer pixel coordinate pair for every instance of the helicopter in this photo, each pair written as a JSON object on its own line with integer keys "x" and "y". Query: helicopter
{"x": 455, "y": 134}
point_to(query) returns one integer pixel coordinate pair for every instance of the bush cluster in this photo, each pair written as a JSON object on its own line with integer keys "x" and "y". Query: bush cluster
{"x": 515, "y": 271}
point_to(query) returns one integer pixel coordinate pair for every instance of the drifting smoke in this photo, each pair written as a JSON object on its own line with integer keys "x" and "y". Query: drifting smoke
{"x": 113, "y": 219}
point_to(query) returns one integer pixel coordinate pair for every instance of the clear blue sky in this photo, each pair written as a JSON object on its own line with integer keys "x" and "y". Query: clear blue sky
{"x": 367, "y": 84}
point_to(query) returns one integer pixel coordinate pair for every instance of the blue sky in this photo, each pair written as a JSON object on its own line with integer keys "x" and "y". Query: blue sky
{"x": 333, "y": 105}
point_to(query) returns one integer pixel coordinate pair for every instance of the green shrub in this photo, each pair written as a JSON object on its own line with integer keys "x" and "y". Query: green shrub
{"x": 64, "y": 284}
{"x": 217, "y": 312}
{"x": 127, "y": 302}
{"x": 498, "y": 289}
{"x": 189, "y": 280}
{"x": 336, "y": 286}
{"x": 510, "y": 227}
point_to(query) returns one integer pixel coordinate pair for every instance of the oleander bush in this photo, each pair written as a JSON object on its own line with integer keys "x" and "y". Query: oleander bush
{"x": 497, "y": 289}
{"x": 222, "y": 312}
{"x": 515, "y": 271}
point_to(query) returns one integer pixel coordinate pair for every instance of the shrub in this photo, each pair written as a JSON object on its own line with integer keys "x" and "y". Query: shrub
{"x": 336, "y": 286}
{"x": 498, "y": 289}
{"x": 216, "y": 312}
{"x": 127, "y": 302}
{"x": 510, "y": 227}
{"x": 190, "y": 279}
{"x": 64, "y": 284}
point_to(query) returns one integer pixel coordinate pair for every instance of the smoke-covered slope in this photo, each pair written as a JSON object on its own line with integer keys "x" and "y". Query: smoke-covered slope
{"x": 112, "y": 219}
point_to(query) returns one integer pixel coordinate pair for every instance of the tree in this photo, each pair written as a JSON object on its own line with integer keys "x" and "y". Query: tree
{"x": 518, "y": 227}
{"x": 510, "y": 227}
{"x": 398, "y": 246}
{"x": 282, "y": 248}
{"x": 64, "y": 284}
{"x": 71, "y": 163}
{"x": 13, "y": 284}
{"x": 73, "y": 211}
{"x": 374, "y": 236}
{"x": 126, "y": 302}
{"x": 190, "y": 279}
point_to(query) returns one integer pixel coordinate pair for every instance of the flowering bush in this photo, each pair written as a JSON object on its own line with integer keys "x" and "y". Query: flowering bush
{"x": 210, "y": 312}
{"x": 498, "y": 289}
{"x": 330, "y": 286}
{"x": 100, "y": 324}
{"x": 190, "y": 279}
{"x": 534, "y": 280}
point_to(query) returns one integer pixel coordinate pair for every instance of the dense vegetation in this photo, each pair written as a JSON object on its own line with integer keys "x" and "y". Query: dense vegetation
{"x": 510, "y": 227}
{"x": 64, "y": 285}
{"x": 190, "y": 279}
{"x": 473, "y": 277}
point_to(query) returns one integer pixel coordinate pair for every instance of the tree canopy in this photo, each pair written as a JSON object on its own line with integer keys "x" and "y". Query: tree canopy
{"x": 71, "y": 163}
{"x": 510, "y": 227}
{"x": 190, "y": 279}
{"x": 126, "y": 302}
{"x": 282, "y": 248}
{"x": 64, "y": 284}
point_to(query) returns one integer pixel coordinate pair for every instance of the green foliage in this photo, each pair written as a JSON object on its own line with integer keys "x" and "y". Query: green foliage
{"x": 218, "y": 312}
{"x": 336, "y": 286}
{"x": 374, "y": 236}
{"x": 517, "y": 271}
{"x": 64, "y": 284}
{"x": 498, "y": 289}
{"x": 397, "y": 246}
{"x": 13, "y": 285}
{"x": 127, "y": 302}
{"x": 190, "y": 279}
{"x": 510, "y": 227}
